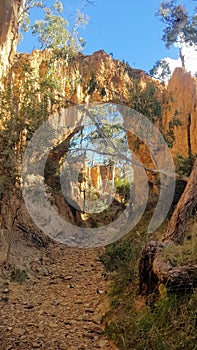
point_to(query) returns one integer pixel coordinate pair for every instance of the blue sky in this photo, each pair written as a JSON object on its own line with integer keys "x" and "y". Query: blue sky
{"x": 129, "y": 29}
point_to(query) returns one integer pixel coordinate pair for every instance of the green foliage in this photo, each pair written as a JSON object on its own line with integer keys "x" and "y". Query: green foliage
{"x": 184, "y": 165}
{"x": 131, "y": 323}
{"x": 24, "y": 15}
{"x": 117, "y": 255}
{"x": 123, "y": 188}
{"x": 166, "y": 323}
{"x": 169, "y": 134}
{"x": 171, "y": 324}
{"x": 93, "y": 84}
{"x": 29, "y": 4}
{"x": 180, "y": 27}
{"x": 52, "y": 31}
{"x": 104, "y": 136}
{"x": 23, "y": 107}
{"x": 161, "y": 70}
{"x": 144, "y": 96}
{"x": 183, "y": 254}
{"x": 18, "y": 275}
{"x": 122, "y": 256}
{"x": 145, "y": 100}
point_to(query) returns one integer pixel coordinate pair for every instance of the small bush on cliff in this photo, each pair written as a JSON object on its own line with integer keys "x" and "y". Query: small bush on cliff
{"x": 184, "y": 164}
{"x": 123, "y": 189}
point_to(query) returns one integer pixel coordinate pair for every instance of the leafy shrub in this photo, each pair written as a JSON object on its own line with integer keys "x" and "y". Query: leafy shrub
{"x": 117, "y": 255}
{"x": 123, "y": 188}
{"x": 184, "y": 165}
{"x": 18, "y": 275}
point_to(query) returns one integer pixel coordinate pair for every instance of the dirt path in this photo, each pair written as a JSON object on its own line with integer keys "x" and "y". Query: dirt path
{"x": 61, "y": 307}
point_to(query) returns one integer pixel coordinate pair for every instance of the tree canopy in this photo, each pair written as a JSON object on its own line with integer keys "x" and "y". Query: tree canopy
{"x": 181, "y": 28}
{"x": 53, "y": 30}
{"x": 161, "y": 70}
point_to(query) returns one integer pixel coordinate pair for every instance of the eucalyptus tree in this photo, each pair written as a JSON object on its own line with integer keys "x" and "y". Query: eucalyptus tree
{"x": 52, "y": 30}
{"x": 161, "y": 70}
{"x": 180, "y": 26}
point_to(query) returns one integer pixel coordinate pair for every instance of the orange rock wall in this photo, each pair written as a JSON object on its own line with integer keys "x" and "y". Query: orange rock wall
{"x": 97, "y": 77}
{"x": 99, "y": 174}
{"x": 182, "y": 90}
{"x": 87, "y": 77}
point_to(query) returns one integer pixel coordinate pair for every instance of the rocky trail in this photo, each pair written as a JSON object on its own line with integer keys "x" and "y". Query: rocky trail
{"x": 60, "y": 307}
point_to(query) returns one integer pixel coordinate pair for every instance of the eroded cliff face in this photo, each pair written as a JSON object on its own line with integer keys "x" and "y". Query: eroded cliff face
{"x": 9, "y": 10}
{"x": 100, "y": 78}
{"x": 86, "y": 79}
{"x": 181, "y": 98}
{"x": 94, "y": 78}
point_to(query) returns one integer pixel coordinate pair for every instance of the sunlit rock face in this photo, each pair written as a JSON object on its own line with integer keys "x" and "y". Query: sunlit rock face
{"x": 9, "y": 11}
{"x": 182, "y": 97}
{"x": 87, "y": 79}
{"x": 94, "y": 78}
{"x": 100, "y": 78}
